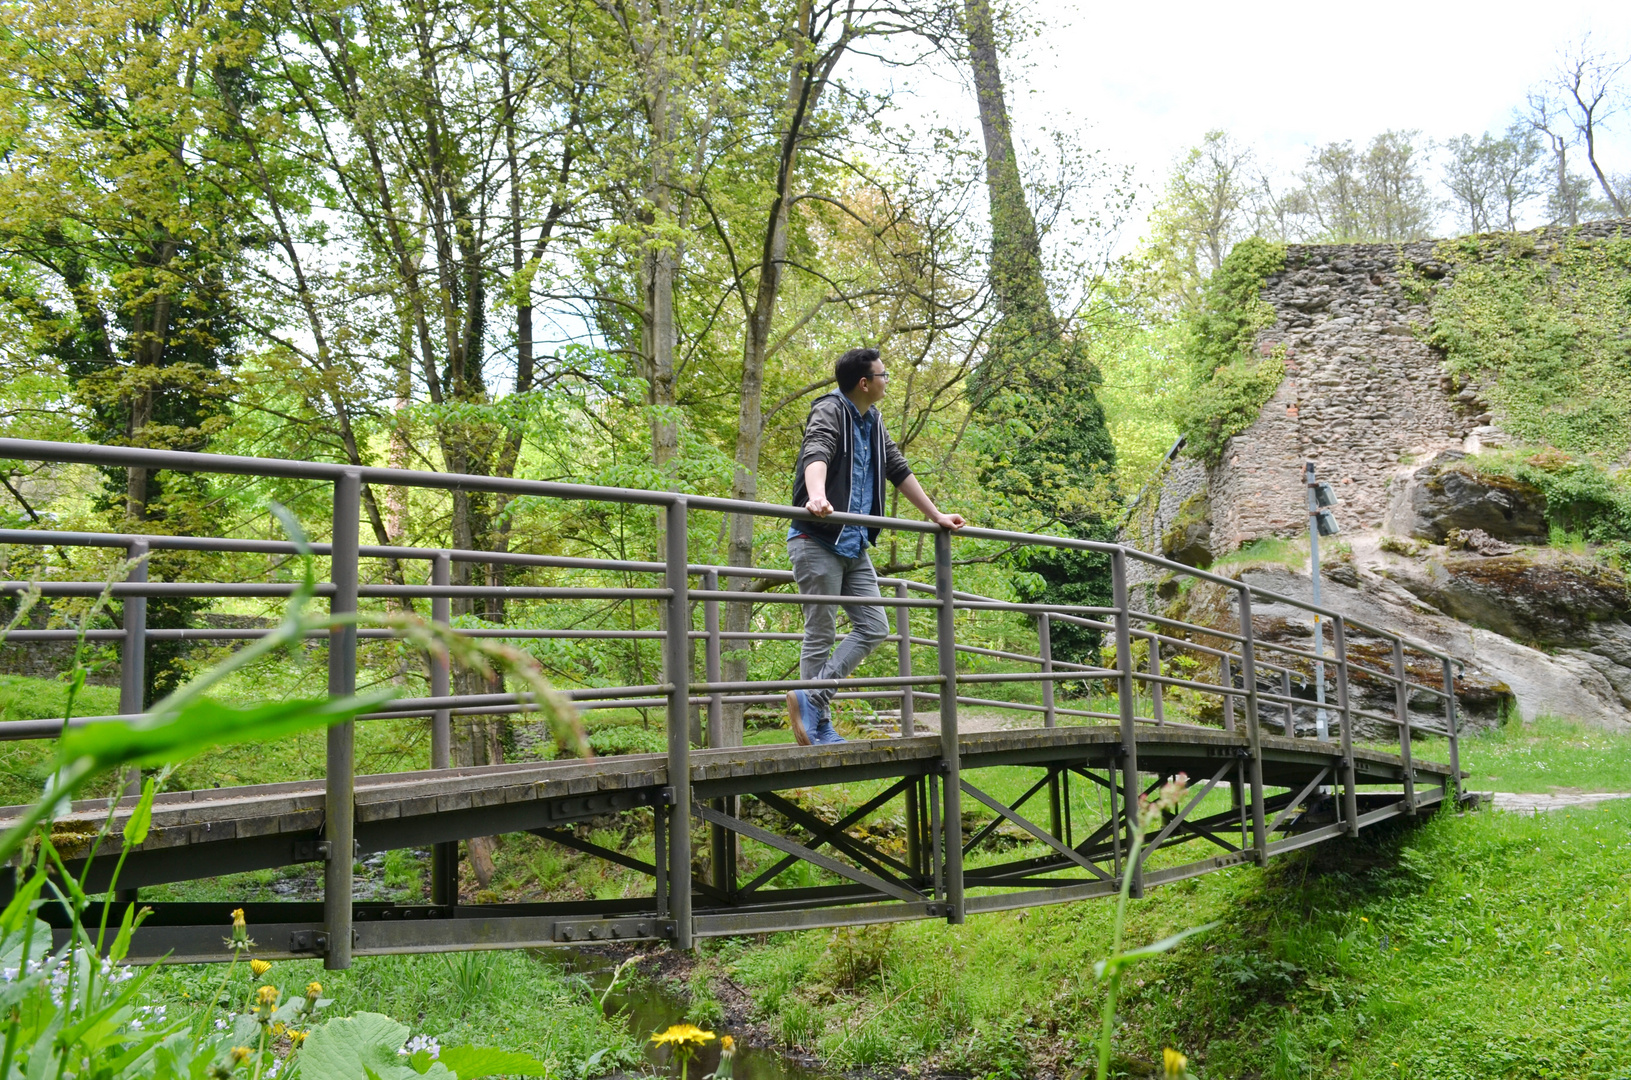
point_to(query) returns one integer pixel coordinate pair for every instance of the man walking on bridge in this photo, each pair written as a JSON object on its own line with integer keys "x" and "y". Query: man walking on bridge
{"x": 844, "y": 460}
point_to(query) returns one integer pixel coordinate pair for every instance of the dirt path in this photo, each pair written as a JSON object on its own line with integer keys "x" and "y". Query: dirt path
{"x": 1524, "y": 803}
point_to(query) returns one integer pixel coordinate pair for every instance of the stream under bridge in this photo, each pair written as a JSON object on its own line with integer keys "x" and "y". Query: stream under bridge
{"x": 947, "y": 815}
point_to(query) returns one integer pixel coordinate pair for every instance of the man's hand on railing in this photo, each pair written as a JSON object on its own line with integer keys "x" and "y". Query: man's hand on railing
{"x": 949, "y": 521}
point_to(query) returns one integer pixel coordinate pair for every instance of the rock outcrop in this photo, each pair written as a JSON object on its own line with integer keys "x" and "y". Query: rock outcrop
{"x": 1443, "y": 496}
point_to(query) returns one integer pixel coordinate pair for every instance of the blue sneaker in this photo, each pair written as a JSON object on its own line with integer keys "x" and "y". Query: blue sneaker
{"x": 825, "y": 733}
{"x": 802, "y": 716}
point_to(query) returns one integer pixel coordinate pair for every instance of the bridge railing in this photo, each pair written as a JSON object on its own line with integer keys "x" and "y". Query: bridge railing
{"x": 1161, "y": 671}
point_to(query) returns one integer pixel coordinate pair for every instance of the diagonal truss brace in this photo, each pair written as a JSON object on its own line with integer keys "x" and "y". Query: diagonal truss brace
{"x": 1179, "y": 818}
{"x": 1035, "y": 830}
{"x": 869, "y": 857}
{"x": 843, "y": 823}
{"x": 1319, "y": 778}
{"x": 799, "y": 851}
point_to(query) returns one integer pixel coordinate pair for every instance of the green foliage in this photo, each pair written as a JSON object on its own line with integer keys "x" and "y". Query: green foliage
{"x": 1546, "y": 324}
{"x": 1228, "y": 380}
{"x": 1581, "y": 498}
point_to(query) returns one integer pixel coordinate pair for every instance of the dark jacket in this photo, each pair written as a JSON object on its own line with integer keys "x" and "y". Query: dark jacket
{"x": 829, "y": 435}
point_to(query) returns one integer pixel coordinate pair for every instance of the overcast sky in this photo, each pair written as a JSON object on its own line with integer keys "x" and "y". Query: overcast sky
{"x": 1142, "y": 82}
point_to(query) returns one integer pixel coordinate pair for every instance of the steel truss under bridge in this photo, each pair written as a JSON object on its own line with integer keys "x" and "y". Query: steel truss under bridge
{"x": 946, "y": 814}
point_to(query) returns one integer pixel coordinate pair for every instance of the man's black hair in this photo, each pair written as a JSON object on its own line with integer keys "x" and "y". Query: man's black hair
{"x": 854, "y": 366}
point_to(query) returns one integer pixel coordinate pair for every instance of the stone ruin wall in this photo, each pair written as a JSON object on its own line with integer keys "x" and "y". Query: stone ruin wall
{"x": 1364, "y": 397}
{"x": 1362, "y": 394}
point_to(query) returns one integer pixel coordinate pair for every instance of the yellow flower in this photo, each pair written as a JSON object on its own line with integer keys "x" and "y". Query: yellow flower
{"x": 240, "y": 938}
{"x": 240, "y": 1054}
{"x": 259, "y": 967}
{"x": 296, "y": 1038}
{"x": 1363, "y": 919}
{"x": 1174, "y": 1063}
{"x": 727, "y": 1045}
{"x": 683, "y": 1036}
{"x": 266, "y": 995}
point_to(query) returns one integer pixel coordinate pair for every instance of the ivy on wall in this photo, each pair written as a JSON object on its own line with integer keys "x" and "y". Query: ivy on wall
{"x": 1548, "y": 329}
{"x": 1228, "y": 379}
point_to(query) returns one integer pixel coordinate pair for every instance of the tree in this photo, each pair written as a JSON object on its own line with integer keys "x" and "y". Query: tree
{"x": 1202, "y": 211}
{"x": 1492, "y": 179}
{"x": 1585, "y": 85}
{"x": 1035, "y": 387}
{"x": 1349, "y": 196}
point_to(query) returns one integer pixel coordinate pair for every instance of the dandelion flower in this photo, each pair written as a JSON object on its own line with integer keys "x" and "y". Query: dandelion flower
{"x": 240, "y": 1054}
{"x": 260, "y": 967}
{"x": 688, "y": 1036}
{"x": 240, "y": 939}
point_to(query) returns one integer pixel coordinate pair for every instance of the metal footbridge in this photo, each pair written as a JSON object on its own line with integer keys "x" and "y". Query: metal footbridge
{"x": 937, "y": 823}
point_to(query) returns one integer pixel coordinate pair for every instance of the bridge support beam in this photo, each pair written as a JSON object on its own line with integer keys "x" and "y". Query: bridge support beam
{"x": 339, "y": 803}
{"x": 677, "y": 673}
{"x": 1254, "y": 735}
{"x": 1125, "y": 693}
{"x": 444, "y": 859}
{"x": 950, "y": 752}
{"x": 1350, "y": 794}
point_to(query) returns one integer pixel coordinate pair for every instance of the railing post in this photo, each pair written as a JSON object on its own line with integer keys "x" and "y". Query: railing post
{"x": 721, "y": 841}
{"x": 1254, "y": 738}
{"x": 903, "y": 652}
{"x": 1291, "y": 713}
{"x": 1050, "y": 718}
{"x": 1158, "y": 710}
{"x": 1401, "y": 705}
{"x": 950, "y": 752}
{"x": 908, "y": 725}
{"x": 444, "y": 857}
{"x": 339, "y": 803}
{"x": 1350, "y": 792}
{"x": 133, "y": 652}
{"x": 1125, "y": 692}
{"x": 1449, "y": 727}
{"x": 1226, "y": 679}
{"x": 677, "y": 673}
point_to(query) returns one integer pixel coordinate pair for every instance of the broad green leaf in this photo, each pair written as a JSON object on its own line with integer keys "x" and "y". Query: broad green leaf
{"x": 22, "y": 905}
{"x": 366, "y": 1044}
{"x": 204, "y": 724}
{"x": 470, "y": 1062}
{"x": 141, "y": 818}
{"x": 134, "y": 917}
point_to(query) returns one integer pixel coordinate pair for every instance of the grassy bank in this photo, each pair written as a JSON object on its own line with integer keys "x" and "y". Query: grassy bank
{"x": 1488, "y": 945}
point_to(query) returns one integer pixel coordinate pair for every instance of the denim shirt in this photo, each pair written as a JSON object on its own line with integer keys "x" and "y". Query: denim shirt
{"x": 852, "y": 539}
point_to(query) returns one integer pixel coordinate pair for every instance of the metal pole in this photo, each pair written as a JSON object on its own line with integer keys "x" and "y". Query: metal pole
{"x": 1226, "y": 680}
{"x": 908, "y": 726}
{"x": 1401, "y": 705}
{"x": 444, "y": 858}
{"x": 1321, "y": 727}
{"x": 1050, "y": 717}
{"x": 133, "y": 653}
{"x": 1291, "y": 712}
{"x": 339, "y": 797}
{"x": 950, "y": 752}
{"x": 720, "y": 846}
{"x": 1157, "y": 707}
{"x": 1254, "y": 739}
{"x": 677, "y": 673}
{"x": 1350, "y": 793}
{"x": 1125, "y": 691}
{"x": 1449, "y": 727}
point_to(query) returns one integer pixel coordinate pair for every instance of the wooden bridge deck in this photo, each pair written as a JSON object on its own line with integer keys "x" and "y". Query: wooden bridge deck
{"x": 210, "y": 832}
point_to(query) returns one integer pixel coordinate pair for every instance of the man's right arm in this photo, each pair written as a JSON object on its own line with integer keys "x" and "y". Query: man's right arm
{"x": 820, "y": 443}
{"x": 815, "y": 486}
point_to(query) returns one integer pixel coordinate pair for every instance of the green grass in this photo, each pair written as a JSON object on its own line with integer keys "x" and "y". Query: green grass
{"x": 506, "y": 999}
{"x": 1545, "y": 755}
{"x": 1486, "y": 945}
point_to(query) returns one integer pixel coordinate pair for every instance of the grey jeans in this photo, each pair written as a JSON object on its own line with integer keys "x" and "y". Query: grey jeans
{"x": 821, "y": 572}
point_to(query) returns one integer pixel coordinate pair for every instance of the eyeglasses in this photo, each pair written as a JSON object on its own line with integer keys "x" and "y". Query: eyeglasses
{"x": 877, "y": 375}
